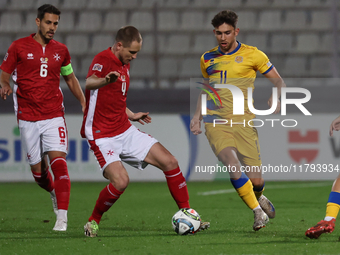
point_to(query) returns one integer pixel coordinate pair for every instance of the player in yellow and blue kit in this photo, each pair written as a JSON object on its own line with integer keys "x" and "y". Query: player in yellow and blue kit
{"x": 236, "y": 145}
{"x": 327, "y": 225}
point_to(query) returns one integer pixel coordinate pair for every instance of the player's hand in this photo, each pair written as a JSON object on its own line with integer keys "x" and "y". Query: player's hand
{"x": 112, "y": 77}
{"x": 83, "y": 106}
{"x": 278, "y": 106}
{"x": 141, "y": 117}
{"x": 334, "y": 126}
{"x": 5, "y": 91}
{"x": 195, "y": 126}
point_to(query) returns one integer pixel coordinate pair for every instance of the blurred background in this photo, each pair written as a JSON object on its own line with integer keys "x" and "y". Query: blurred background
{"x": 300, "y": 38}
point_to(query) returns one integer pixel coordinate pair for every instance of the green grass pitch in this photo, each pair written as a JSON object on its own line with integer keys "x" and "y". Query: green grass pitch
{"x": 140, "y": 222}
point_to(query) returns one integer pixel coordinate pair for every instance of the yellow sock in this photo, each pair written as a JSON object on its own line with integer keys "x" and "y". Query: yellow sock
{"x": 244, "y": 188}
{"x": 247, "y": 194}
{"x": 333, "y": 204}
{"x": 332, "y": 210}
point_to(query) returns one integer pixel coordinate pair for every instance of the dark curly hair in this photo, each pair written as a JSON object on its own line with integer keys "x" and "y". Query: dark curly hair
{"x": 227, "y": 16}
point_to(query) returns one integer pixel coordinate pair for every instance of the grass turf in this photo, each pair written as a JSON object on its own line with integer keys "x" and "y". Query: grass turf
{"x": 140, "y": 222}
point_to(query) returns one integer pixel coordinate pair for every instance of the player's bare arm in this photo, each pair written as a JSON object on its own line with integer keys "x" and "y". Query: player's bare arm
{"x": 278, "y": 82}
{"x": 5, "y": 87}
{"x": 334, "y": 126}
{"x": 94, "y": 82}
{"x": 73, "y": 84}
{"x": 141, "y": 117}
{"x": 195, "y": 124}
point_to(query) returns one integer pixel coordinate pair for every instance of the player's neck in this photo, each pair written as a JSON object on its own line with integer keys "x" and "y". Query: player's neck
{"x": 232, "y": 48}
{"x": 40, "y": 39}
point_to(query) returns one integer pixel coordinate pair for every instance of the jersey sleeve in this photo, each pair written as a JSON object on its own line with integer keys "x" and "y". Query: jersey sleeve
{"x": 10, "y": 60}
{"x": 261, "y": 62}
{"x": 67, "y": 58}
{"x": 99, "y": 67}
{"x": 203, "y": 68}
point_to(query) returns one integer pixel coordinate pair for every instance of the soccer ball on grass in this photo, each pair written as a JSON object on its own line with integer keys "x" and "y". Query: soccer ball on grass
{"x": 186, "y": 221}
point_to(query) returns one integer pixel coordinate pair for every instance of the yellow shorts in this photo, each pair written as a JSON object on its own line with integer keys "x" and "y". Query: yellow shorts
{"x": 244, "y": 139}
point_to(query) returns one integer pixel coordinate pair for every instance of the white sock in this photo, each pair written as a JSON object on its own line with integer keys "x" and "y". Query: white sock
{"x": 62, "y": 215}
{"x": 328, "y": 218}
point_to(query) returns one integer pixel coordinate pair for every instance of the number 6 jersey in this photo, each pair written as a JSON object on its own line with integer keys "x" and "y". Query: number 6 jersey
{"x": 36, "y": 74}
{"x": 105, "y": 113}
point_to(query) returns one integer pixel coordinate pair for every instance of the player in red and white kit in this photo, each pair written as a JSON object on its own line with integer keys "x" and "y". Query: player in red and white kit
{"x": 111, "y": 136}
{"x": 35, "y": 63}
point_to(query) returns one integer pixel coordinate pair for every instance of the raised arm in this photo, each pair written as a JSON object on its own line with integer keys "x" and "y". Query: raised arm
{"x": 5, "y": 87}
{"x": 93, "y": 82}
{"x": 278, "y": 82}
{"x": 73, "y": 84}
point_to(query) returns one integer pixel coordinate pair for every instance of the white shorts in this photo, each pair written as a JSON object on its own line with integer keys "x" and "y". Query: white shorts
{"x": 131, "y": 147}
{"x": 42, "y": 136}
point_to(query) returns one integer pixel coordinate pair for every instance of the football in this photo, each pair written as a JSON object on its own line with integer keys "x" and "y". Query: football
{"x": 186, "y": 221}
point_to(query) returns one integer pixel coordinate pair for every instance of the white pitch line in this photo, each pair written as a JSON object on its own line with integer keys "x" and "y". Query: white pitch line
{"x": 279, "y": 186}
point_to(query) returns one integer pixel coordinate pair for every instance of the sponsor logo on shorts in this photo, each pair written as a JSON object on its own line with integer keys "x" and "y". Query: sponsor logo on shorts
{"x": 110, "y": 153}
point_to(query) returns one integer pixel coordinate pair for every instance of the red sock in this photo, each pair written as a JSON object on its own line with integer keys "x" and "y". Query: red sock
{"x": 44, "y": 180}
{"x": 107, "y": 197}
{"x": 178, "y": 187}
{"x": 62, "y": 183}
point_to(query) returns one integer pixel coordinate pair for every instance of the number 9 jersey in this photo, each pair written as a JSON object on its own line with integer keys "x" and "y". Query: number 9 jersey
{"x": 36, "y": 74}
{"x": 105, "y": 112}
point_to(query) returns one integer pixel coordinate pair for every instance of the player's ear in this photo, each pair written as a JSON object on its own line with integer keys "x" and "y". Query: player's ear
{"x": 119, "y": 46}
{"x": 237, "y": 30}
{"x": 37, "y": 21}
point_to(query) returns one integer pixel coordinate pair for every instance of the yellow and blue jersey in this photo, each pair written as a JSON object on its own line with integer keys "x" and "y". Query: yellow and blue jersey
{"x": 236, "y": 68}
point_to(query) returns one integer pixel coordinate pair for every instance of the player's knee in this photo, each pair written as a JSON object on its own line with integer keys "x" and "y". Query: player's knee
{"x": 257, "y": 182}
{"x": 121, "y": 182}
{"x": 229, "y": 161}
{"x": 172, "y": 163}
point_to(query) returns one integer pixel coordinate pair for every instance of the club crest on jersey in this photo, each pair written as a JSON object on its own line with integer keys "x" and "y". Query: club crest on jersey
{"x": 238, "y": 59}
{"x": 97, "y": 67}
{"x": 30, "y": 56}
{"x": 43, "y": 60}
{"x": 56, "y": 57}
{"x": 123, "y": 78}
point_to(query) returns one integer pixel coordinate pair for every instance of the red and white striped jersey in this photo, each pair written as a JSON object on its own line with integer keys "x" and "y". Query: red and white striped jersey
{"x": 105, "y": 113}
